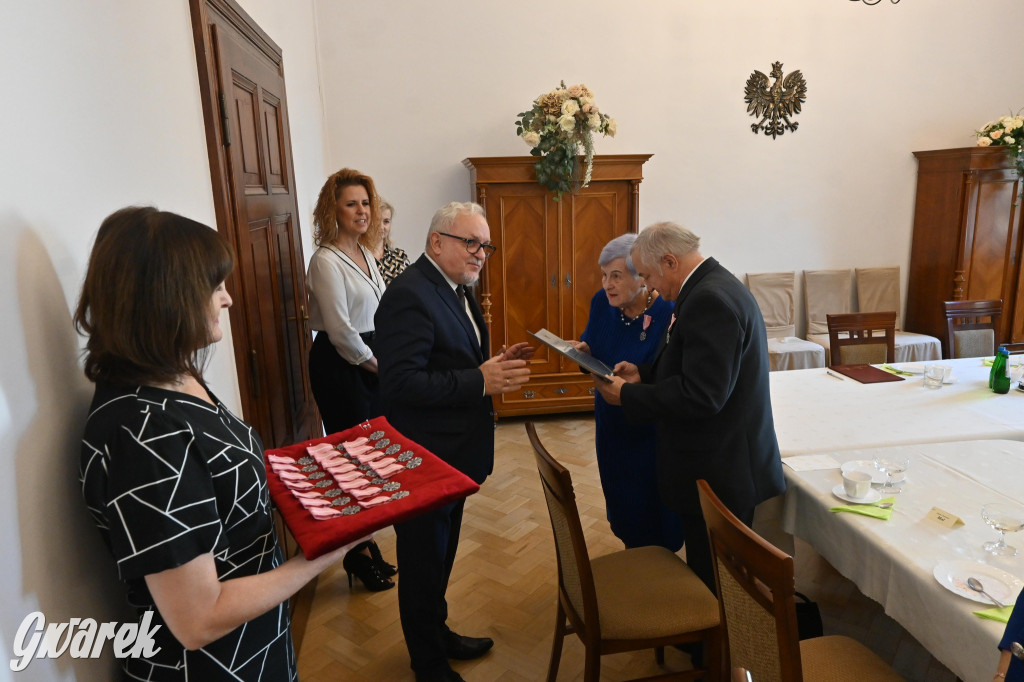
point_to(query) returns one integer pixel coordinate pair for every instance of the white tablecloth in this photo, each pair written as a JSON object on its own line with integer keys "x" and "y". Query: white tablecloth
{"x": 892, "y": 561}
{"x": 789, "y": 352}
{"x": 815, "y": 412}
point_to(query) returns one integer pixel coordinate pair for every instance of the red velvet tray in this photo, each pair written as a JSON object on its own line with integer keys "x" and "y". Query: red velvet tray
{"x": 431, "y": 484}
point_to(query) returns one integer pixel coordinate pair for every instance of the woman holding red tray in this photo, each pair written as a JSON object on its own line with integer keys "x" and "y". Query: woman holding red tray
{"x": 174, "y": 481}
{"x": 345, "y": 287}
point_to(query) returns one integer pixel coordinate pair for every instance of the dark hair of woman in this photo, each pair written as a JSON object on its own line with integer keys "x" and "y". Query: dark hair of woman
{"x": 145, "y": 303}
{"x": 325, "y": 217}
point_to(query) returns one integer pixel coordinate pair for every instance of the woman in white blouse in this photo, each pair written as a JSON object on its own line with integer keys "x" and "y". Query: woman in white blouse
{"x": 345, "y": 286}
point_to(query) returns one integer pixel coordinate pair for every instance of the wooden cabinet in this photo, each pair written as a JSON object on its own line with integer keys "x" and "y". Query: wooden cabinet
{"x": 545, "y": 270}
{"x": 967, "y": 238}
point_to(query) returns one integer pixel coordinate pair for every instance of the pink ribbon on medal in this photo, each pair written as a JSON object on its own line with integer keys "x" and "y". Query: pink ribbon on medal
{"x": 647, "y": 322}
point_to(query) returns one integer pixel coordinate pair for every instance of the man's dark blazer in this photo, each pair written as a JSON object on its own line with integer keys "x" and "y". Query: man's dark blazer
{"x": 708, "y": 392}
{"x": 428, "y": 357}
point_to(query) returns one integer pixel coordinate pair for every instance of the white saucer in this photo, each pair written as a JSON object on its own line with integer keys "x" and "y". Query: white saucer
{"x": 872, "y": 496}
{"x": 865, "y": 466}
{"x": 953, "y": 576}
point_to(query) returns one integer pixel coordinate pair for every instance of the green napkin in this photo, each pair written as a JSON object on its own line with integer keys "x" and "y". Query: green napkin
{"x": 1000, "y": 615}
{"x": 871, "y": 510}
{"x": 899, "y": 372}
{"x": 988, "y": 361}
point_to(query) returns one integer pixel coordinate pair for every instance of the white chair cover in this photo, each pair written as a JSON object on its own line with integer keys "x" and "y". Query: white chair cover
{"x": 773, "y": 292}
{"x": 825, "y": 292}
{"x": 878, "y": 289}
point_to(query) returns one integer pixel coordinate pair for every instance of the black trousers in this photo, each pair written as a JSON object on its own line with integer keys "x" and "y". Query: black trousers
{"x": 426, "y": 547}
{"x": 345, "y": 394}
{"x": 698, "y": 549}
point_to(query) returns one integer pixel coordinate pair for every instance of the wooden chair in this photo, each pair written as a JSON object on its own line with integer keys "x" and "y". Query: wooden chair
{"x": 862, "y": 344}
{"x": 971, "y": 327}
{"x": 633, "y": 599}
{"x": 755, "y": 590}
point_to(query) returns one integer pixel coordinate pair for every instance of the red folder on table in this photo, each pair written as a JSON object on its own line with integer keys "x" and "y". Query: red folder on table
{"x": 429, "y": 483}
{"x": 865, "y": 374}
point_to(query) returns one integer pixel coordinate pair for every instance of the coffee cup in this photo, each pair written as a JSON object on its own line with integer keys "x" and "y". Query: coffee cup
{"x": 857, "y": 484}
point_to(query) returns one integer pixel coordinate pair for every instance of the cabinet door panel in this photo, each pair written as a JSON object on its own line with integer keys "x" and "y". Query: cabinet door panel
{"x": 593, "y": 217}
{"x": 524, "y": 225}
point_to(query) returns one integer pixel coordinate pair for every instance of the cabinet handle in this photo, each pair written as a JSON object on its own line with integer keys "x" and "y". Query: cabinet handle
{"x": 591, "y": 390}
{"x": 554, "y": 281}
{"x": 561, "y": 391}
{"x": 528, "y": 394}
{"x": 568, "y": 281}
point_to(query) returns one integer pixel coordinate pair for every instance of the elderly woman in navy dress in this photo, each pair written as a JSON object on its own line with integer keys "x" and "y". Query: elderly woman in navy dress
{"x": 1010, "y": 667}
{"x": 626, "y": 323}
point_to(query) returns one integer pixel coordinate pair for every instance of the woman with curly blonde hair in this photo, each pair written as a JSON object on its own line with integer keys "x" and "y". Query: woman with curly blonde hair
{"x": 345, "y": 287}
{"x": 391, "y": 260}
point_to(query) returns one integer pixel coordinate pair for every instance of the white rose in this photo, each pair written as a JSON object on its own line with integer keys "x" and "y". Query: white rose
{"x": 531, "y": 138}
{"x": 996, "y": 134}
{"x": 1018, "y": 122}
{"x": 1009, "y": 140}
{"x": 584, "y": 101}
{"x": 570, "y": 107}
{"x": 984, "y": 142}
{"x": 612, "y": 128}
{"x": 567, "y": 123}
{"x": 593, "y": 121}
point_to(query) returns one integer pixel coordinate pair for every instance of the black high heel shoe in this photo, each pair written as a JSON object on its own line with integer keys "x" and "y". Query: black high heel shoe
{"x": 366, "y": 569}
{"x": 385, "y": 568}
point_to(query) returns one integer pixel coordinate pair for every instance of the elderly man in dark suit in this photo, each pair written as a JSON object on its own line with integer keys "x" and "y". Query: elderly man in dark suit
{"x": 707, "y": 388}
{"x": 436, "y": 383}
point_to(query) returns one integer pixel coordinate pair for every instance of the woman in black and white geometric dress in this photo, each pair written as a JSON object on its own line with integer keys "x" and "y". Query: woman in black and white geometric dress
{"x": 174, "y": 481}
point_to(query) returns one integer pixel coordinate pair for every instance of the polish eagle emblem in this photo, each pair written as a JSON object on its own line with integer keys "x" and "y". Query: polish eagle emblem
{"x": 775, "y": 103}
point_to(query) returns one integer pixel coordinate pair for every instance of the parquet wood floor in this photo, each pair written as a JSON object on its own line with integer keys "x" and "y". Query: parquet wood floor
{"x": 503, "y": 585}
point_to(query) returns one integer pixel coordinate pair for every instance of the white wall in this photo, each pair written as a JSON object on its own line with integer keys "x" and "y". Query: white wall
{"x": 413, "y": 88}
{"x": 101, "y": 110}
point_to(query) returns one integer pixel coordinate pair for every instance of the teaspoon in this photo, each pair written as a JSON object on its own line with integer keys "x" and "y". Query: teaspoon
{"x": 976, "y": 585}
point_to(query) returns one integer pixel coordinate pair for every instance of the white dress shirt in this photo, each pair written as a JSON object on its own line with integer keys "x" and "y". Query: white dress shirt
{"x": 343, "y": 300}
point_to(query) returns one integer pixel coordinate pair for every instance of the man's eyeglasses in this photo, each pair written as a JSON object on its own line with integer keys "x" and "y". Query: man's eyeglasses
{"x": 474, "y": 245}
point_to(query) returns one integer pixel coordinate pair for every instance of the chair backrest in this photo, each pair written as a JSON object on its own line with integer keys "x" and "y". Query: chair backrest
{"x": 854, "y": 338}
{"x": 971, "y": 327}
{"x": 825, "y": 291}
{"x": 773, "y": 292}
{"x": 878, "y": 289}
{"x": 575, "y": 579}
{"x": 755, "y": 595}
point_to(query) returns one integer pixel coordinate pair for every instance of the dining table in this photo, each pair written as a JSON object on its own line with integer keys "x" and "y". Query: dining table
{"x": 821, "y": 410}
{"x": 899, "y": 562}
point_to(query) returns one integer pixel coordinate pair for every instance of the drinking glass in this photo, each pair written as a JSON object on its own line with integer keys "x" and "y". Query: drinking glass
{"x": 891, "y": 464}
{"x": 1005, "y": 517}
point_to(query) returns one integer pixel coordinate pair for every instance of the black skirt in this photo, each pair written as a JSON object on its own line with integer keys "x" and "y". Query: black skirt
{"x": 345, "y": 394}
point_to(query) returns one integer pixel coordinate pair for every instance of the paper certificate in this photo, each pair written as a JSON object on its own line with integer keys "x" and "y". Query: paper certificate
{"x": 587, "y": 362}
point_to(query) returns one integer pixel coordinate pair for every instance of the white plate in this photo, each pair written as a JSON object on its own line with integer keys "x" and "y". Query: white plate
{"x": 953, "y": 576}
{"x": 872, "y": 496}
{"x": 866, "y": 466}
{"x": 912, "y": 369}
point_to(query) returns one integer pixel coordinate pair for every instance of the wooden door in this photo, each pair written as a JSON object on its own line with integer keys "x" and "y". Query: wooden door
{"x": 243, "y": 88}
{"x": 990, "y": 242}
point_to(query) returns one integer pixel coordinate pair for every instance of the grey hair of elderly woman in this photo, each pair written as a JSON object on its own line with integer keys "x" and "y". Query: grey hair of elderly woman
{"x": 619, "y": 248}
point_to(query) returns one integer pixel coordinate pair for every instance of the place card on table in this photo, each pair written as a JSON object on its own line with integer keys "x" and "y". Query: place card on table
{"x": 810, "y": 462}
{"x": 945, "y": 518}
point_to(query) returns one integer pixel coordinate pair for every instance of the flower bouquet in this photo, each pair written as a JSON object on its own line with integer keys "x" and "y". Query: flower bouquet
{"x": 558, "y": 124}
{"x": 1008, "y": 131}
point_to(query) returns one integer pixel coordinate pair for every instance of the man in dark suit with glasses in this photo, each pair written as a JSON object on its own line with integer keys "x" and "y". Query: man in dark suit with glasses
{"x": 436, "y": 383}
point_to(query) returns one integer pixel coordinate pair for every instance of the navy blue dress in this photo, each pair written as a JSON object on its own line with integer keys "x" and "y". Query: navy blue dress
{"x": 626, "y": 453}
{"x": 1015, "y": 633}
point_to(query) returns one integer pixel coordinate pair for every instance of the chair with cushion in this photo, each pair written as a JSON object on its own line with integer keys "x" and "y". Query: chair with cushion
{"x": 971, "y": 327}
{"x": 755, "y": 589}
{"x": 825, "y": 292}
{"x": 773, "y": 292}
{"x": 633, "y": 599}
{"x": 862, "y": 338}
{"x": 878, "y": 289}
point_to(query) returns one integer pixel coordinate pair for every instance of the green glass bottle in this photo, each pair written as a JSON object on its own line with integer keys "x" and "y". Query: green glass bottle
{"x": 1000, "y": 374}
